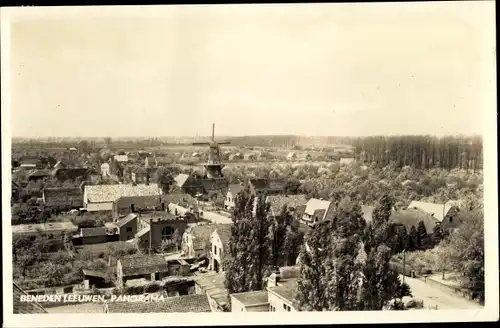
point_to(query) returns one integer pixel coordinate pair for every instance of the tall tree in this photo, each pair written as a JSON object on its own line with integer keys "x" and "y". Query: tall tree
{"x": 423, "y": 238}
{"x": 381, "y": 283}
{"x": 286, "y": 238}
{"x": 414, "y": 242}
{"x": 249, "y": 260}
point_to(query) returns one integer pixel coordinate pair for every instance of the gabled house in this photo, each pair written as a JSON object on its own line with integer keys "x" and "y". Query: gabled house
{"x": 446, "y": 213}
{"x": 105, "y": 170}
{"x": 233, "y": 191}
{"x": 60, "y": 199}
{"x": 220, "y": 244}
{"x": 152, "y": 268}
{"x": 291, "y": 156}
{"x": 127, "y": 227}
{"x": 317, "y": 210}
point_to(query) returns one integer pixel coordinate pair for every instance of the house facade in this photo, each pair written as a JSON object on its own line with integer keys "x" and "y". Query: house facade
{"x": 233, "y": 191}
{"x": 219, "y": 245}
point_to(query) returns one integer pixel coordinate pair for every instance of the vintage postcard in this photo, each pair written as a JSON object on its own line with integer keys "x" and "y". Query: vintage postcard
{"x": 192, "y": 163}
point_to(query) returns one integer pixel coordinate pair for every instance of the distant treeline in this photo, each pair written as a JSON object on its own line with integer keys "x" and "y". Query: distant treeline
{"x": 422, "y": 151}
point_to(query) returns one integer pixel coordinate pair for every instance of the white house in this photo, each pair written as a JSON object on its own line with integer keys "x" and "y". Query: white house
{"x": 219, "y": 244}
{"x": 105, "y": 170}
{"x": 232, "y": 192}
{"x": 316, "y": 210}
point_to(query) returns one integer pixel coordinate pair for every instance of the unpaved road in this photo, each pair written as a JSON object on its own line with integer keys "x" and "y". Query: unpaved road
{"x": 433, "y": 296}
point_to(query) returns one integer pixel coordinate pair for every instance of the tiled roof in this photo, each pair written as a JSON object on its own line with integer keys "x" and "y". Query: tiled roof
{"x": 286, "y": 293}
{"x": 179, "y": 304}
{"x": 433, "y": 209}
{"x": 93, "y": 232}
{"x": 213, "y": 284}
{"x": 316, "y": 204}
{"x": 24, "y": 307}
{"x": 127, "y": 219}
{"x": 235, "y": 189}
{"x": 141, "y": 264}
{"x": 279, "y": 201}
{"x": 252, "y": 298}
{"x": 224, "y": 233}
{"x": 112, "y": 193}
{"x": 71, "y": 197}
{"x": 411, "y": 217}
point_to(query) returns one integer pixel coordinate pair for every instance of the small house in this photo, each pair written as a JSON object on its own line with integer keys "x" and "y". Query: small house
{"x": 254, "y": 301}
{"x": 152, "y": 268}
{"x": 219, "y": 245}
{"x": 291, "y": 156}
{"x": 317, "y": 210}
{"x": 127, "y": 227}
{"x": 233, "y": 191}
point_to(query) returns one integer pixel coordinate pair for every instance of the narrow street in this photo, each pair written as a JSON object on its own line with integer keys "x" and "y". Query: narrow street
{"x": 433, "y": 296}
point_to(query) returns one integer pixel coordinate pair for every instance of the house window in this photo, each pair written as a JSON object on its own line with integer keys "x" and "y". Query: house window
{"x": 167, "y": 233}
{"x": 271, "y": 308}
{"x": 215, "y": 250}
{"x": 129, "y": 229}
{"x": 286, "y": 308}
{"x": 451, "y": 220}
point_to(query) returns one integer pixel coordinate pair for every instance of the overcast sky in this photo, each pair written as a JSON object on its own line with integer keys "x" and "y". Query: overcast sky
{"x": 337, "y": 69}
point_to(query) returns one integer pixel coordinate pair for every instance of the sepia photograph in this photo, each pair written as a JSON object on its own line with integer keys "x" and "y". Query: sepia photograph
{"x": 334, "y": 161}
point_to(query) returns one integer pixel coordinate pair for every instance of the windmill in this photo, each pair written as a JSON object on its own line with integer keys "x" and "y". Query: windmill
{"x": 213, "y": 167}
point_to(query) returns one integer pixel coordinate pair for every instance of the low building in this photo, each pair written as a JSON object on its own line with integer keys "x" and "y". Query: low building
{"x": 61, "y": 199}
{"x": 211, "y": 284}
{"x": 317, "y": 210}
{"x": 219, "y": 244}
{"x": 256, "y": 301}
{"x": 121, "y": 198}
{"x": 282, "y": 289}
{"x": 95, "y": 279}
{"x": 196, "y": 241}
{"x": 149, "y": 267}
{"x": 446, "y": 214}
{"x": 127, "y": 227}
{"x": 178, "y": 304}
{"x": 233, "y": 191}
{"x": 93, "y": 235}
